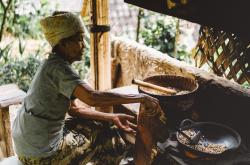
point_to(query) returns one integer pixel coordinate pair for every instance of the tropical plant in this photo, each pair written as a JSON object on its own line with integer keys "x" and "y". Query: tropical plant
{"x": 82, "y": 67}
{"x": 161, "y": 33}
{"x": 4, "y": 8}
{"x": 17, "y": 15}
{"x": 19, "y": 65}
{"x": 20, "y": 68}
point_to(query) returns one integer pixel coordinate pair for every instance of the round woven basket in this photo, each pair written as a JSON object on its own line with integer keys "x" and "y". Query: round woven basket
{"x": 176, "y": 107}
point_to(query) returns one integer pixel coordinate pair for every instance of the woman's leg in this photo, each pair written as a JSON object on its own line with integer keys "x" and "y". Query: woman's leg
{"x": 85, "y": 141}
{"x": 106, "y": 146}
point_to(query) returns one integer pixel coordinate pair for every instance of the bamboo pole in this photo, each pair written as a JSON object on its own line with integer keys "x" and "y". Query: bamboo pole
{"x": 5, "y": 133}
{"x": 100, "y": 58}
{"x": 154, "y": 87}
{"x": 85, "y": 8}
{"x": 140, "y": 12}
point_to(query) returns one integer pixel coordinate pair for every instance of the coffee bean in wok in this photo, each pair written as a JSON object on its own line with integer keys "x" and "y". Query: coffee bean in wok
{"x": 202, "y": 145}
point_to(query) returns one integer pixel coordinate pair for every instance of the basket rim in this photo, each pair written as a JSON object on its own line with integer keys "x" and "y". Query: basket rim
{"x": 172, "y": 76}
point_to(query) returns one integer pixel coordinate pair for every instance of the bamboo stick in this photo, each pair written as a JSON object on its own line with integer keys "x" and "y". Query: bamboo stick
{"x": 85, "y": 8}
{"x": 153, "y": 86}
{"x": 5, "y": 133}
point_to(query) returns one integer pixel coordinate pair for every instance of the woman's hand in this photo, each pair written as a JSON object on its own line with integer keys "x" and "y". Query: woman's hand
{"x": 122, "y": 121}
{"x": 74, "y": 108}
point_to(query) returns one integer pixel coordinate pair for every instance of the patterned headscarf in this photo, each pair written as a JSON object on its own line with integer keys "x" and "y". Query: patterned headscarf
{"x": 61, "y": 25}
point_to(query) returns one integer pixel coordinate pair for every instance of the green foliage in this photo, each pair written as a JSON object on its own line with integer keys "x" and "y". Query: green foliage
{"x": 5, "y": 52}
{"x": 23, "y": 18}
{"x": 19, "y": 69}
{"x": 17, "y": 64}
{"x": 246, "y": 85}
{"x": 82, "y": 67}
{"x": 22, "y": 21}
{"x": 161, "y": 32}
{"x": 182, "y": 54}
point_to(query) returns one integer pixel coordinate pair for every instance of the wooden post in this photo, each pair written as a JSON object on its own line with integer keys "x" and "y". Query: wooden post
{"x": 5, "y": 133}
{"x": 85, "y": 8}
{"x": 100, "y": 58}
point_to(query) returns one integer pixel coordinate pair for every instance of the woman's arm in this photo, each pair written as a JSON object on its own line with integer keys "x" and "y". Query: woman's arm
{"x": 120, "y": 120}
{"x": 98, "y": 99}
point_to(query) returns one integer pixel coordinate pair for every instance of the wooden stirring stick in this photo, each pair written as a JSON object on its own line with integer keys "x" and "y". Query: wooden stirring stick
{"x": 153, "y": 86}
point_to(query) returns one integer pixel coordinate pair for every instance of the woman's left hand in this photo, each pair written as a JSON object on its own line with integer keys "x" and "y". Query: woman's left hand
{"x": 123, "y": 121}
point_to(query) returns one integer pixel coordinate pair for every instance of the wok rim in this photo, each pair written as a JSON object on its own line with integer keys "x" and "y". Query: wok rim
{"x": 237, "y": 135}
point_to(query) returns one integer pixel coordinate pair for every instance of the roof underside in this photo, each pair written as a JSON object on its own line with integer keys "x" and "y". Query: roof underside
{"x": 227, "y": 15}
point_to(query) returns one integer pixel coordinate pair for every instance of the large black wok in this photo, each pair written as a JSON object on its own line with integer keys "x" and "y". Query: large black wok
{"x": 214, "y": 133}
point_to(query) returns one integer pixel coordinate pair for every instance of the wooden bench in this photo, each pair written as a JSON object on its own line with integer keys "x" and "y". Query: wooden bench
{"x": 9, "y": 95}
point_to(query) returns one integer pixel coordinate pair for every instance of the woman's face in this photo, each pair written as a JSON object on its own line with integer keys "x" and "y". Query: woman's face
{"x": 72, "y": 48}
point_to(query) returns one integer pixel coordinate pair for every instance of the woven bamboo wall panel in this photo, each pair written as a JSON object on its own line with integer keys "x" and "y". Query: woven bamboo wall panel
{"x": 225, "y": 54}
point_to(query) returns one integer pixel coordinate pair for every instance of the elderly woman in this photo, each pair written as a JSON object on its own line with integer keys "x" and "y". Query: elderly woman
{"x": 39, "y": 129}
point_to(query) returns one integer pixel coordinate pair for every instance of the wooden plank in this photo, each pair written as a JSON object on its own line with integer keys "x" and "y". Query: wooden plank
{"x": 5, "y": 133}
{"x": 10, "y": 94}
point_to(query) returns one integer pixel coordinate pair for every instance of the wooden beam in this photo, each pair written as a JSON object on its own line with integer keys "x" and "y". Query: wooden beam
{"x": 5, "y": 133}
{"x": 85, "y": 8}
{"x": 100, "y": 59}
{"x": 100, "y": 46}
